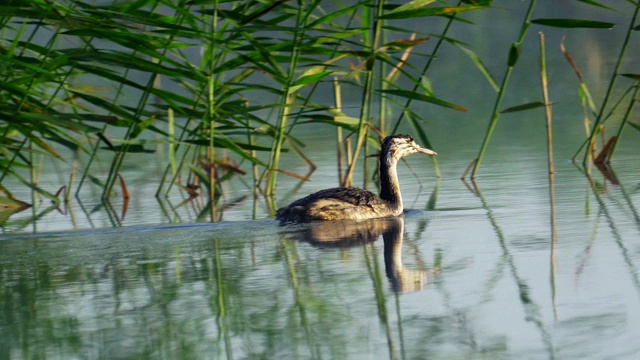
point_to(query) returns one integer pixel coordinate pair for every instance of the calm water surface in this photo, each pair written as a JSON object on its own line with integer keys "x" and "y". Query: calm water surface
{"x": 467, "y": 273}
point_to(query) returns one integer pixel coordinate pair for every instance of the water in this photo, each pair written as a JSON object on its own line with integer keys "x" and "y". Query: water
{"x": 471, "y": 277}
{"x": 470, "y": 272}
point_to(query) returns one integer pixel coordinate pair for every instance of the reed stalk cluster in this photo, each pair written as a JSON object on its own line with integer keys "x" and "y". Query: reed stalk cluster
{"x": 218, "y": 85}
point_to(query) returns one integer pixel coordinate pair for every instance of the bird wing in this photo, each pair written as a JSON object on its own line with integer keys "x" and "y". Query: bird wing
{"x": 342, "y": 199}
{"x": 350, "y": 195}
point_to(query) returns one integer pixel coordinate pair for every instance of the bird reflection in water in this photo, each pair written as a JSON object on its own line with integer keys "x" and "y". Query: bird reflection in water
{"x": 349, "y": 233}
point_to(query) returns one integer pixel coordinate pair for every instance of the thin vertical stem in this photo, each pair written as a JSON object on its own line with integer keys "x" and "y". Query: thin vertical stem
{"x": 547, "y": 103}
{"x": 513, "y": 59}
{"x": 211, "y": 109}
{"x": 34, "y": 182}
{"x": 338, "y": 100}
{"x": 368, "y": 88}
{"x": 552, "y": 198}
{"x": 433, "y": 56}
{"x": 67, "y": 195}
{"x": 288, "y": 100}
{"x": 254, "y": 169}
{"x": 172, "y": 141}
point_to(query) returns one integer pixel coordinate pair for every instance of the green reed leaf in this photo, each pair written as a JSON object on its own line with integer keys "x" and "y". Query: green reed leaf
{"x": 106, "y": 105}
{"x": 333, "y": 15}
{"x": 587, "y": 99}
{"x": 523, "y": 107}
{"x": 595, "y": 3}
{"x": 234, "y": 146}
{"x": 142, "y": 17}
{"x": 635, "y": 77}
{"x": 129, "y": 61}
{"x": 410, "y": 6}
{"x": 480, "y": 65}
{"x": 71, "y": 145}
{"x": 307, "y": 79}
{"x": 129, "y": 148}
{"x": 140, "y": 127}
{"x": 8, "y": 203}
{"x": 514, "y": 54}
{"x": 432, "y": 11}
{"x": 574, "y": 23}
{"x": 421, "y": 97}
{"x": 20, "y": 12}
{"x": 42, "y": 121}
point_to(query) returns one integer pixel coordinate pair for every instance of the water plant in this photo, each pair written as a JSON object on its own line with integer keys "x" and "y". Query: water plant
{"x": 80, "y": 80}
{"x": 514, "y": 54}
{"x": 222, "y": 86}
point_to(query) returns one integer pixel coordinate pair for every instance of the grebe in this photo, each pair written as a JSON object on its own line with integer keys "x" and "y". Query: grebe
{"x": 346, "y": 203}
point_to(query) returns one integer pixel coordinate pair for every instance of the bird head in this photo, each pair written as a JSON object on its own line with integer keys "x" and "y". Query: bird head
{"x": 396, "y": 146}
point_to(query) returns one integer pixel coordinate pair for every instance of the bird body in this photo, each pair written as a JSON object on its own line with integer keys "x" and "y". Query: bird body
{"x": 348, "y": 203}
{"x": 337, "y": 204}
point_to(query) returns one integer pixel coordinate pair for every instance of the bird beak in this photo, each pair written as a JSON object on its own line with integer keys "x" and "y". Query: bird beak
{"x": 427, "y": 151}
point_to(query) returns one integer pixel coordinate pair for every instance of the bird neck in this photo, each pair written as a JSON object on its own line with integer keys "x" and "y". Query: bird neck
{"x": 389, "y": 186}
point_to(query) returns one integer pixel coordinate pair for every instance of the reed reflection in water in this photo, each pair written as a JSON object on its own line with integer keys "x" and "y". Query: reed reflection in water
{"x": 348, "y": 233}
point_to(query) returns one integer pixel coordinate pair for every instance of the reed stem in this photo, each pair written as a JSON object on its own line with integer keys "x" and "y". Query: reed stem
{"x": 513, "y": 59}
{"x": 67, "y": 195}
{"x": 547, "y": 103}
{"x": 287, "y": 102}
{"x": 211, "y": 112}
{"x": 552, "y": 198}
{"x": 339, "y": 142}
{"x": 366, "y": 93}
{"x": 430, "y": 60}
{"x": 34, "y": 183}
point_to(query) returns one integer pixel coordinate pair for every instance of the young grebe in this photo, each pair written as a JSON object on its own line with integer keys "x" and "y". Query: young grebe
{"x": 358, "y": 204}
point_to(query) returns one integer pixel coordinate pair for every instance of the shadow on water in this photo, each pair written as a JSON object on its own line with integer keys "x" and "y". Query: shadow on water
{"x": 344, "y": 234}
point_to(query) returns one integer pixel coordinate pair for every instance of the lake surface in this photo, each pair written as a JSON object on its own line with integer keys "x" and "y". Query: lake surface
{"x": 470, "y": 271}
{"x": 467, "y": 273}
